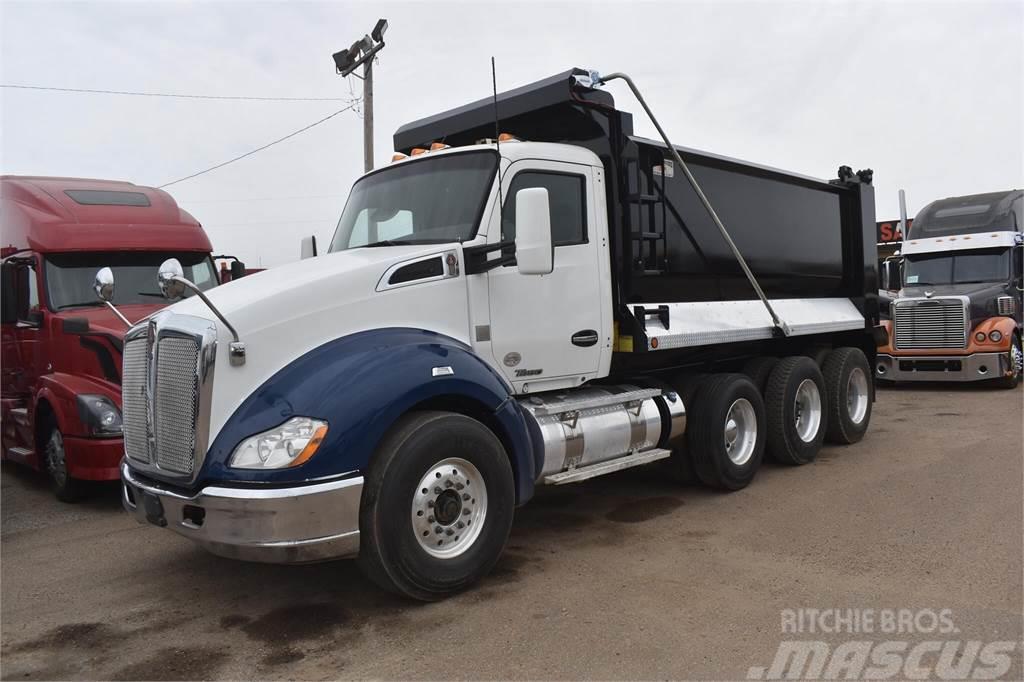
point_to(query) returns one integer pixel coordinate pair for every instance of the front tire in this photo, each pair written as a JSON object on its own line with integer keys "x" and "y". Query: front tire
{"x": 726, "y": 438}
{"x": 1016, "y": 361}
{"x": 65, "y": 488}
{"x": 795, "y": 402}
{"x": 437, "y": 506}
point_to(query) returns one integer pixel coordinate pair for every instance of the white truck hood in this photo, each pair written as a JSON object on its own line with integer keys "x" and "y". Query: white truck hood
{"x": 285, "y": 312}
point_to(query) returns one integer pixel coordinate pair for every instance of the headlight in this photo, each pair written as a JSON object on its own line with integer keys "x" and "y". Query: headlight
{"x": 980, "y": 337}
{"x": 99, "y": 415}
{"x": 995, "y": 336}
{"x": 287, "y": 445}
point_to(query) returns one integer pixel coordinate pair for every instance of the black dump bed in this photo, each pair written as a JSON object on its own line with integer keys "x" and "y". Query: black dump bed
{"x": 802, "y": 237}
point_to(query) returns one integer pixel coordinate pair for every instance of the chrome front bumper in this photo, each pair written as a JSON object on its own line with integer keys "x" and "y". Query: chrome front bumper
{"x": 302, "y": 524}
{"x": 976, "y": 367}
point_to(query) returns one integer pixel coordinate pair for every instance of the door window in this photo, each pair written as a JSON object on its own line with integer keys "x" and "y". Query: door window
{"x": 566, "y": 196}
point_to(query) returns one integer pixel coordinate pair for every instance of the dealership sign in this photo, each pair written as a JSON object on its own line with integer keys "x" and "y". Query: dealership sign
{"x": 889, "y": 231}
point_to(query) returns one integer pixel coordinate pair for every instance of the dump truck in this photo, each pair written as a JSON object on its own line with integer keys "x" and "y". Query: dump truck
{"x": 529, "y": 294}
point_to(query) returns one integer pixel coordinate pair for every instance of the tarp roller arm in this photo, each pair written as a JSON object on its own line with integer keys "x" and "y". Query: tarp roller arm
{"x": 779, "y": 324}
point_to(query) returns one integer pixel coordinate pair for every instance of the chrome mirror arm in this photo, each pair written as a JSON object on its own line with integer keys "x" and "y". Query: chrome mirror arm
{"x": 236, "y": 349}
{"x": 117, "y": 312}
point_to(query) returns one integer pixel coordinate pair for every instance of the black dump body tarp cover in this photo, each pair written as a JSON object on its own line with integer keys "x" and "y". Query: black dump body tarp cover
{"x": 802, "y": 237}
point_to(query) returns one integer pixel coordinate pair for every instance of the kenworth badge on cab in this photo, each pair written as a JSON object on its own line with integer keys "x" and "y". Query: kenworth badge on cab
{"x": 559, "y": 302}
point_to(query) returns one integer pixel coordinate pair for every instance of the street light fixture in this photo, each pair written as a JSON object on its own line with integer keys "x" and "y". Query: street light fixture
{"x": 361, "y": 53}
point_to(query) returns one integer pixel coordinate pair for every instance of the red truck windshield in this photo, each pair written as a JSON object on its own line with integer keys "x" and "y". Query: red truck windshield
{"x": 69, "y": 276}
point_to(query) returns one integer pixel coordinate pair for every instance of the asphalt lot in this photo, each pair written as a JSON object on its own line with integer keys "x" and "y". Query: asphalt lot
{"x": 625, "y": 576}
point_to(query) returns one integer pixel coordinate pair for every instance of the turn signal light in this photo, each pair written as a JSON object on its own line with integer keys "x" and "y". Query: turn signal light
{"x": 398, "y": 157}
{"x": 438, "y": 145}
{"x": 507, "y": 137}
{"x": 419, "y": 150}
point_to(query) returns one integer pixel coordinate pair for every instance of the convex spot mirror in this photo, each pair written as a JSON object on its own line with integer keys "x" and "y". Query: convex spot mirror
{"x": 103, "y": 284}
{"x": 168, "y": 278}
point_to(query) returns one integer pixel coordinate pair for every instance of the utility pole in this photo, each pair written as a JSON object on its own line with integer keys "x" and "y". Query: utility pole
{"x": 362, "y": 52}
{"x": 368, "y": 115}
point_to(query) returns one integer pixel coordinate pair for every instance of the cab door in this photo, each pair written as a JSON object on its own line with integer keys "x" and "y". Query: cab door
{"x": 551, "y": 331}
{"x": 20, "y": 346}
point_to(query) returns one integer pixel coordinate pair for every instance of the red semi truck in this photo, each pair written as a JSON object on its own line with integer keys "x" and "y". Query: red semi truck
{"x": 61, "y": 345}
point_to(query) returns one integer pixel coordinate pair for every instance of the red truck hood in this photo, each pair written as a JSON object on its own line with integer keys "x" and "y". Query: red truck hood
{"x": 103, "y": 320}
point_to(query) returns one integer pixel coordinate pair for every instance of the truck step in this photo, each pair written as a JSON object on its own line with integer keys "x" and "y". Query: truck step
{"x": 19, "y": 454}
{"x": 612, "y": 465}
{"x": 19, "y": 415}
{"x": 643, "y": 199}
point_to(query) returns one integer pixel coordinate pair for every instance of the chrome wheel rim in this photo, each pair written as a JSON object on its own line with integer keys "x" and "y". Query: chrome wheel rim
{"x": 449, "y": 508}
{"x": 857, "y": 395}
{"x": 55, "y": 463}
{"x": 807, "y": 410}
{"x": 740, "y": 431}
{"x": 1016, "y": 357}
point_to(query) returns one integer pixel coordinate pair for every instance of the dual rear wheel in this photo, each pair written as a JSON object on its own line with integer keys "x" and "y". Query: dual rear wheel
{"x": 785, "y": 407}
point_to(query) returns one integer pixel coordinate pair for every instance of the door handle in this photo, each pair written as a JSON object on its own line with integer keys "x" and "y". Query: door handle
{"x": 584, "y": 338}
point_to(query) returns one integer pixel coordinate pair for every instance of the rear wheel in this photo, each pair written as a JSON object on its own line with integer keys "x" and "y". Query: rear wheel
{"x": 759, "y": 369}
{"x": 680, "y": 464}
{"x": 1016, "y": 362}
{"x": 437, "y": 506}
{"x": 66, "y": 488}
{"x": 726, "y": 437}
{"x": 847, "y": 385}
{"x": 795, "y": 402}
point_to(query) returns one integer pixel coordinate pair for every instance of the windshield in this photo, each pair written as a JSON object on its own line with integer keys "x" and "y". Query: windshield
{"x": 989, "y": 265}
{"x": 69, "y": 276}
{"x": 429, "y": 201}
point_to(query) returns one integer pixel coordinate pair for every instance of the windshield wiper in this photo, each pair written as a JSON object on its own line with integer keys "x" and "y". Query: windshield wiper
{"x": 78, "y": 305}
{"x": 390, "y": 242}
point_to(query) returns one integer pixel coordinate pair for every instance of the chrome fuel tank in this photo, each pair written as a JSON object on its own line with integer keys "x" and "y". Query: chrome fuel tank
{"x": 596, "y": 424}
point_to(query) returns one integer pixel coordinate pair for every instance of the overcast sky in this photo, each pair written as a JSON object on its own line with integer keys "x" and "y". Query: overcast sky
{"x": 929, "y": 95}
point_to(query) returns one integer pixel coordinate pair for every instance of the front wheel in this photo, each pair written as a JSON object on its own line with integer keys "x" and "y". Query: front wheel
{"x": 1016, "y": 363}
{"x": 66, "y": 488}
{"x": 437, "y": 506}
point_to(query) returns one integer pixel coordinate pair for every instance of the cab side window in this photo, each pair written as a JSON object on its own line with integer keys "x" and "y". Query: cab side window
{"x": 566, "y": 195}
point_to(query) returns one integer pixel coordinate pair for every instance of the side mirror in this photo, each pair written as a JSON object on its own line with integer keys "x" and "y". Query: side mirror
{"x": 308, "y": 248}
{"x": 103, "y": 284}
{"x": 891, "y": 275}
{"x": 168, "y": 278}
{"x": 237, "y": 269}
{"x": 9, "y": 294}
{"x": 534, "y": 251}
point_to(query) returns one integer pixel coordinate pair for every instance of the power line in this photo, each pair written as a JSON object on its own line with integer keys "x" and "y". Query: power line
{"x": 177, "y": 95}
{"x": 251, "y": 199}
{"x": 258, "y": 149}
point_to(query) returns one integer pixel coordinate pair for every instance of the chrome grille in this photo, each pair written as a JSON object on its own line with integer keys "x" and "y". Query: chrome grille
{"x": 930, "y": 323}
{"x": 177, "y": 401}
{"x": 133, "y": 399}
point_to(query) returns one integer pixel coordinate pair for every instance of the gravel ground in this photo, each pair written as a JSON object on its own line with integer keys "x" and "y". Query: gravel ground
{"x": 625, "y": 576}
